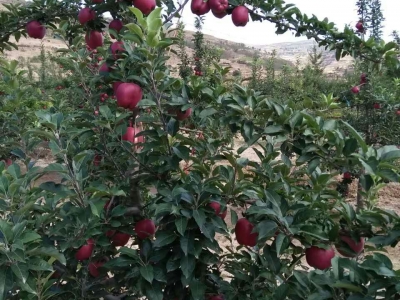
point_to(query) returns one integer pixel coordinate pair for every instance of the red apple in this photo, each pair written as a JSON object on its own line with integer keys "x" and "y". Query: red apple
{"x": 347, "y": 175}
{"x": 357, "y": 247}
{"x": 110, "y": 233}
{"x": 120, "y": 239}
{"x": 115, "y": 25}
{"x": 35, "y": 30}
{"x": 117, "y": 48}
{"x": 85, "y": 15}
{"x": 217, "y": 297}
{"x": 240, "y": 16}
{"x": 217, "y": 208}
{"x": 129, "y": 135}
{"x": 243, "y": 233}
{"x": 182, "y": 115}
{"x": 97, "y": 1}
{"x": 116, "y": 85}
{"x": 94, "y": 39}
{"x": 377, "y": 106}
{"x": 218, "y": 6}
{"x": 355, "y": 89}
{"x": 85, "y": 252}
{"x": 199, "y": 7}
{"x": 94, "y": 268}
{"x": 145, "y": 6}
{"x": 97, "y": 160}
{"x": 360, "y": 26}
{"x": 319, "y": 258}
{"x": 128, "y": 95}
{"x": 219, "y": 15}
{"x": 8, "y": 162}
{"x": 363, "y": 78}
{"x": 104, "y": 69}
{"x": 145, "y": 228}
{"x": 398, "y": 112}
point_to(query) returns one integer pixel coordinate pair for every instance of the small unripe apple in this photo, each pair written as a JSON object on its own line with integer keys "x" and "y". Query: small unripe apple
{"x": 94, "y": 39}
{"x": 94, "y": 268}
{"x": 85, "y": 15}
{"x": 356, "y": 246}
{"x": 243, "y": 232}
{"x": 145, "y": 228}
{"x": 217, "y": 208}
{"x": 115, "y": 25}
{"x": 120, "y": 239}
{"x": 240, "y": 16}
{"x": 319, "y": 258}
{"x": 218, "y": 6}
{"x": 355, "y": 89}
{"x": 363, "y": 78}
{"x": 128, "y": 95}
{"x": 104, "y": 69}
{"x": 219, "y": 15}
{"x": 145, "y": 6}
{"x": 35, "y": 30}
{"x": 199, "y": 7}
{"x": 182, "y": 115}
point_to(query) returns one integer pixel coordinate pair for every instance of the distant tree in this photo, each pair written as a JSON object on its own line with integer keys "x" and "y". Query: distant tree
{"x": 396, "y": 37}
{"x": 315, "y": 60}
{"x": 370, "y": 14}
{"x": 184, "y": 67}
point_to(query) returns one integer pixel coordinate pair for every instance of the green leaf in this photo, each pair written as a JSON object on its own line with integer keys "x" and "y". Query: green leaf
{"x": 49, "y": 252}
{"x": 197, "y": 289}
{"x": 272, "y": 259}
{"x": 21, "y": 271}
{"x": 147, "y": 273}
{"x": 139, "y": 17}
{"x": 106, "y": 112}
{"x": 356, "y": 135}
{"x": 172, "y": 127}
{"x": 266, "y": 228}
{"x": 207, "y": 112}
{"x": 281, "y": 292}
{"x": 30, "y": 236}
{"x": 282, "y": 242}
{"x": 347, "y": 286}
{"x": 234, "y": 217}
{"x": 164, "y": 238}
{"x": 181, "y": 224}
{"x": 3, "y": 274}
{"x": 350, "y": 146}
{"x": 188, "y": 264}
{"x": 129, "y": 252}
{"x": 182, "y": 152}
{"x": 14, "y": 170}
{"x": 134, "y": 28}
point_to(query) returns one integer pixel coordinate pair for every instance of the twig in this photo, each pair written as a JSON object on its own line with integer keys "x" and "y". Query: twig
{"x": 181, "y": 7}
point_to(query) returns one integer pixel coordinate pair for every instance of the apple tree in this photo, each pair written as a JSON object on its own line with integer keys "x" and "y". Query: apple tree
{"x": 137, "y": 203}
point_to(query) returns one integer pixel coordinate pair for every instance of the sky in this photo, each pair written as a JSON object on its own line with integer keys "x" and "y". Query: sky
{"x": 340, "y": 12}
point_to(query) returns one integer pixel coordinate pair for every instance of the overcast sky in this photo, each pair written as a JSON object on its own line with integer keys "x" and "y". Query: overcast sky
{"x": 340, "y": 12}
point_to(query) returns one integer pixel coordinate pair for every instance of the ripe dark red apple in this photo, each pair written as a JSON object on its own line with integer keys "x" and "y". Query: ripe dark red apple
{"x": 117, "y": 48}
{"x": 217, "y": 208}
{"x": 377, "y": 106}
{"x": 94, "y": 268}
{"x": 116, "y": 85}
{"x": 199, "y": 7}
{"x": 347, "y": 175}
{"x": 363, "y": 78}
{"x": 145, "y": 228}
{"x": 97, "y": 1}
{"x": 104, "y": 69}
{"x": 398, "y": 112}
{"x": 357, "y": 247}
{"x": 243, "y": 233}
{"x": 355, "y": 89}
{"x": 319, "y": 258}
{"x": 217, "y": 297}
{"x": 94, "y": 39}
{"x": 128, "y": 95}
{"x": 360, "y": 26}
{"x": 85, "y": 252}
{"x": 110, "y": 233}
{"x": 219, "y": 15}
{"x": 120, "y": 239}
{"x": 240, "y": 16}
{"x": 145, "y": 6}
{"x": 97, "y": 160}
{"x": 218, "y": 5}
{"x": 85, "y": 15}
{"x": 182, "y": 115}
{"x": 35, "y": 30}
{"x": 115, "y": 25}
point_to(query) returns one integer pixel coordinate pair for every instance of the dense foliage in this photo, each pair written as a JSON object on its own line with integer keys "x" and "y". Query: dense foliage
{"x": 135, "y": 203}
